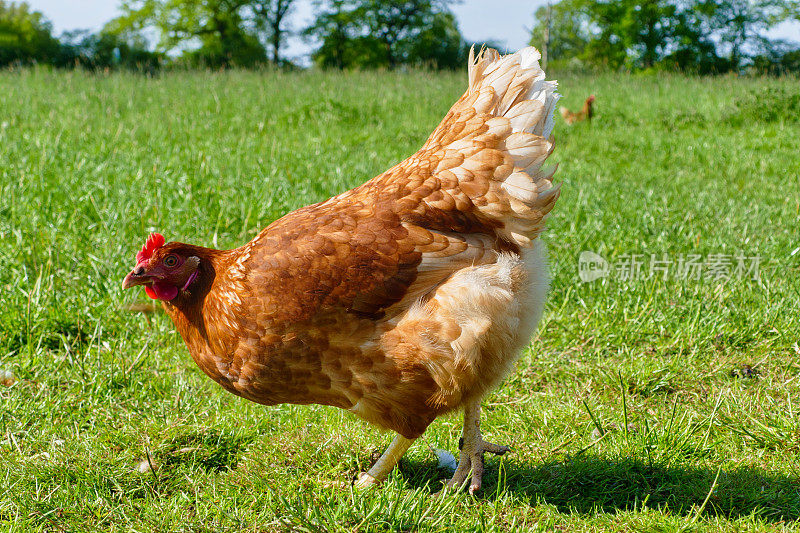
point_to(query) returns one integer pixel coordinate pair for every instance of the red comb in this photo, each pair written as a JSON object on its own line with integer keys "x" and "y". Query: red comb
{"x": 154, "y": 242}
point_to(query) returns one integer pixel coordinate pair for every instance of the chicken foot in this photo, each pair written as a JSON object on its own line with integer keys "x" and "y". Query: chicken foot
{"x": 380, "y": 470}
{"x": 472, "y": 449}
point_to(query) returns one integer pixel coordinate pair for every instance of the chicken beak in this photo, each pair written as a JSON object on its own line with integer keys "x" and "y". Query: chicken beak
{"x": 136, "y": 277}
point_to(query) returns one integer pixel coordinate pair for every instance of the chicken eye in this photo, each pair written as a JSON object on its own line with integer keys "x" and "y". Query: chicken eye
{"x": 170, "y": 261}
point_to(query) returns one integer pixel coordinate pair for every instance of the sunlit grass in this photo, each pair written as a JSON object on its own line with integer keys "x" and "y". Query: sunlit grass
{"x": 634, "y": 398}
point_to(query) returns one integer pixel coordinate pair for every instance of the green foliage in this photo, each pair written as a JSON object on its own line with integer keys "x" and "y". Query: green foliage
{"x": 693, "y": 48}
{"x": 740, "y": 24}
{"x": 790, "y": 10}
{"x": 25, "y": 35}
{"x": 339, "y": 30}
{"x": 439, "y": 45}
{"x": 25, "y": 38}
{"x": 779, "y": 64}
{"x": 700, "y": 36}
{"x": 89, "y": 169}
{"x": 105, "y": 51}
{"x": 210, "y": 33}
{"x": 373, "y": 33}
{"x": 221, "y": 27}
{"x": 270, "y": 18}
{"x": 564, "y": 27}
{"x": 232, "y": 49}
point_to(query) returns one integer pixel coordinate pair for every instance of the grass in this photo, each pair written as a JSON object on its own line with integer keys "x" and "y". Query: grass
{"x": 645, "y": 404}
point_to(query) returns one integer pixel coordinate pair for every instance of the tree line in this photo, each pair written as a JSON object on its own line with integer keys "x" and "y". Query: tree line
{"x": 242, "y": 33}
{"x": 700, "y": 36}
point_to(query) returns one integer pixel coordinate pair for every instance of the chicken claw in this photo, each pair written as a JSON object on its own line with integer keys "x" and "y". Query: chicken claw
{"x": 472, "y": 449}
{"x": 380, "y": 470}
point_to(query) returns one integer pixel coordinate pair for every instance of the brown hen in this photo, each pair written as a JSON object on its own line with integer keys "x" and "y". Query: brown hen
{"x": 400, "y": 300}
{"x": 586, "y": 112}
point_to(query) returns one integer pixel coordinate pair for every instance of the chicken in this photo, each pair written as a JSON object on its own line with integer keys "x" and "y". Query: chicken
{"x": 585, "y": 113}
{"x": 400, "y": 300}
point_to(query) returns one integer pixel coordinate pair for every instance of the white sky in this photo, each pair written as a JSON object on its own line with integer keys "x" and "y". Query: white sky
{"x": 505, "y": 22}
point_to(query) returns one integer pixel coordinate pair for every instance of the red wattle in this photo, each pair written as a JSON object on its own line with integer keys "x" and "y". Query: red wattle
{"x": 161, "y": 291}
{"x": 165, "y": 291}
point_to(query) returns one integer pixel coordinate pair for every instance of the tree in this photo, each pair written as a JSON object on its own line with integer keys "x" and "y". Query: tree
{"x": 565, "y": 27}
{"x": 375, "y": 33}
{"x": 649, "y": 28}
{"x": 789, "y": 11}
{"x": 688, "y": 34}
{"x": 335, "y": 27}
{"x": 105, "y": 51}
{"x": 344, "y": 42}
{"x": 271, "y": 17}
{"x": 25, "y": 35}
{"x": 631, "y": 33}
{"x": 692, "y": 48}
{"x": 229, "y": 32}
{"x": 780, "y": 61}
{"x": 440, "y": 45}
{"x": 395, "y": 23}
{"x": 220, "y": 26}
{"x": 739, "y": 25}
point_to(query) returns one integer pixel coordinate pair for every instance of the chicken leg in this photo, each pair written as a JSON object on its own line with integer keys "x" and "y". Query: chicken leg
{"x": 472, "y": 449}
{"x": 380, "y": 470}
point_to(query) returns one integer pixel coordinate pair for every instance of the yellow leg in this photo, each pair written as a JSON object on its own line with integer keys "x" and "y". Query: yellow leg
{"x": 472, "y": 449}
{"x": 380, "y": 470}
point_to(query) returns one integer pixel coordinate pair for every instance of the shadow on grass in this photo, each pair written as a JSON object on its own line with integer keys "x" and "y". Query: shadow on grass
{"x": 596, "y": 484}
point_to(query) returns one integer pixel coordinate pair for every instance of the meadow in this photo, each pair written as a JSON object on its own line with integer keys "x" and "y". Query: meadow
{"x": 658, "y": 402}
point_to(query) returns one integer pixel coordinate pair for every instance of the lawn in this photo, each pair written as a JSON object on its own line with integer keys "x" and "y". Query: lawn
{"x": 647, "y": 402}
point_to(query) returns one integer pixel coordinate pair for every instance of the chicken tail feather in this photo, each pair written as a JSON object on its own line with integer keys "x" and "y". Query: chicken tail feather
{"x": 496, "y": 140}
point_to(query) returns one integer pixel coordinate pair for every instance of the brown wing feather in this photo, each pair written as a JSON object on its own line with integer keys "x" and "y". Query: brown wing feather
{"x": 354, "y": 257}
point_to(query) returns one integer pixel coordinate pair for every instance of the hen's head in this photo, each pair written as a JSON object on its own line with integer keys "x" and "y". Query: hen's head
{"x": 164, "y": 269}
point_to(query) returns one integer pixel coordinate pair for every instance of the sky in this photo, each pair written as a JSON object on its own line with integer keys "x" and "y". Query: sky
{"x": 505, "y": 22}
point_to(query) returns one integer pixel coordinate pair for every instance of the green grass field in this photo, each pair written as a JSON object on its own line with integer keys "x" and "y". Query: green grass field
{"x": 634, "y": 408}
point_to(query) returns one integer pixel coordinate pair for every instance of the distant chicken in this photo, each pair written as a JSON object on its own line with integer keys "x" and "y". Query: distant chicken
{"x": 400, "y": 300}
{"x": 585, "y": 113}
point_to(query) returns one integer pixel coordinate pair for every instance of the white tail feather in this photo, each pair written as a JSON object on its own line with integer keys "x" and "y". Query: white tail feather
{"x": 496, "y": 139}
